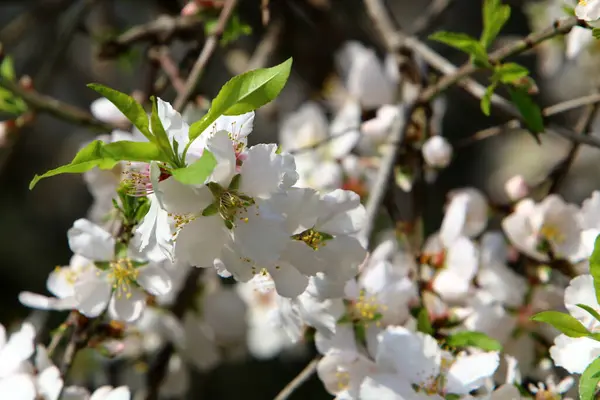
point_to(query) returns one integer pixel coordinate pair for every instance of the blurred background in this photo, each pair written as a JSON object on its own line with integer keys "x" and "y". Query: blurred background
{"x": 62, "y": 46}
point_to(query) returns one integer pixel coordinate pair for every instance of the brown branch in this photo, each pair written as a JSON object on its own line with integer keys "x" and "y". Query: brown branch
{"x": 42, "y": 103}
{"x": 299, "y": 380}
{"x": 163, "y": 56}
{"x": 430, "y": 16}
{"x": 162, "y": 30}
{"x": 558, "y": 28}
{"x": 207, "y": 51}
{"x": 559, "y": 173}
{"x": 546, "y": 112}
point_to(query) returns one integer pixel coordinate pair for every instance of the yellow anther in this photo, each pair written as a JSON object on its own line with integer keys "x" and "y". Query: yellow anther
{"x": 122, "y": 275}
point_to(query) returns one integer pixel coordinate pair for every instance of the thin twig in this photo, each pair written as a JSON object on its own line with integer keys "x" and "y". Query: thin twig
{"x": 207, "y": 51}
{"x": 559, "y": 27}
{"x": 430, "y": 16}
{"x": 158, "y": 368}
{"x": 559, "y": 173}
{"x": 299, "y": 380}
{"x": 266, "y": 47}
{"x": 52, "y": 106}
{"x": 161, "y": 30}
{"x": 546, "y": 112}
{"x": 163, "y": 56}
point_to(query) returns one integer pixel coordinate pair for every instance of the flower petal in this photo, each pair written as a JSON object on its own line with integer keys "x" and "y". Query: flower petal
{"x": 42, "y": 302}
{"x": 263, "y": 170}
{"x": 469, "y": 372}
{"x": 18, "y": 387}
{"x": 222, "y": 148}
{"x": 91, "y": 241}
{"x": 129, "y": 307}
{"x": 200, "y": 241}
{"x": 289, "y": 282}
{"x": 92, "y": 292}
{"x": 154, "y": 279}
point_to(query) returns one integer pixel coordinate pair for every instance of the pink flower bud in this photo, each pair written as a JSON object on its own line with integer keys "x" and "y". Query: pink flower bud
{"x": 190, "y": 8}
{"x": 516, "y": 188}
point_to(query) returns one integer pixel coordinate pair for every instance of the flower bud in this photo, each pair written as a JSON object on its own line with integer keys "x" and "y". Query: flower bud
{"x": 437, "y": 152}
{"x": 516, "y": 188}
{"x": 191, "y": 8}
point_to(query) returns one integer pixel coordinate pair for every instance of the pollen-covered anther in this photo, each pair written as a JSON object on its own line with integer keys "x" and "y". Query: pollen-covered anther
{"x": 312, "y": 238}
{"x": 343, "y": 379}
{"x": 122, "y": 275}
{"x": 367, "y": 309}
{"x": 552, "y": 233}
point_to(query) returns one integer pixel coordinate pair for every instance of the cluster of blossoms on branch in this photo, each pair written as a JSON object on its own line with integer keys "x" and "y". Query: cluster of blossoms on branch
{"x": 280, "y": 234}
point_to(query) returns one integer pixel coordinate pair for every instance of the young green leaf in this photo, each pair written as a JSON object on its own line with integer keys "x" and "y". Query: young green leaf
{"x": 161, "y": 137}
{"x": 7, "y": 69}
{"x": 197, "y": 172}
{"x": 595, "y": 266}
{"x": 462, "y": 42}
{"x": 530, "y": 111}
{"x": 244, "y": 93}
{"x": 588, "y": 383}
{"x": 596, "y": 33}
{"x": 423, "y": 322}
{"x": 473, "y": 339}
{"x": 486, "y": 100}
{"x": 105, "y": 156}
{"x": 495, "y": 16}
{"x": 590, "y": 311}
{"x": 563, "y": 322}
{"x": 128, "y": 106}
{"x": 510, "y": 72}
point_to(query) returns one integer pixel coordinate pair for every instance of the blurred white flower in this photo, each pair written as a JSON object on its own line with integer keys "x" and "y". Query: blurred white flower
{"x": 466, "y": 215}
{"x": 437, "y": 152}
{"x": 342, "y": 373}
{"x": 577, "y": 40}
{"x": 550, "y": 226}
{"x": 588, "y": 10}
{"x": 516, "y": 188}
{"x": 575, "y": 354}
{"x": 106, "y": 111}
{"x": 454, "y": 281}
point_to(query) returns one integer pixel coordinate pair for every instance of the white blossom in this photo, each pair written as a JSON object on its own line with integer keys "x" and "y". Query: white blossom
{"x": 466, "y": 215}
{"x": 437, "y": 152}
{"x": 588, "y": 10}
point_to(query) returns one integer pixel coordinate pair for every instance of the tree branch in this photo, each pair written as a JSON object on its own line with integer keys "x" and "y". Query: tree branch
{"x": 161, "y": 30}
{"x": 207, "y": 51}
{"x": 430, "y": 16}
{"x": 52, "y": 106}
{"x": 299, "y": 380}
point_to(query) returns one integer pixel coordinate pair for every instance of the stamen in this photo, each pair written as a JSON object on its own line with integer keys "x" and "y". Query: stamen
{"x": 122, "y": 275}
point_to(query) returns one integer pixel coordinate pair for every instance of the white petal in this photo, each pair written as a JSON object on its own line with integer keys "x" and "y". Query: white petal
{"x": 581, "y": 291}
{"x": 288, "y": 281}
{"x": 101, "y": 393}
{"x": 345, "y": 130}
{"x": 91, "y": 241}
{"x": 181, "y": 199}
{"x": 343, "y": 339}
{"x": 50, "y": 383}
{"x": 18, "y": 349}
{"x": 41, "y": 302}
{"x": 574, "y": 354}
{"x": 413, "y": 355}
{"x": 75, "y": 393}
{"x": 386, "y": 387}
{"x": 577, "y": 40}
{"x": 469, "y": 372}
{"x": 345, "y": 223}
{"x": 154, "y": 279}
{"x": 302, "y": 257}
{"x": 18, "y": 387}
{"x": 120, "y": 393}
{"x": 92, "y": 292}
{"x": 60, "y": 282}
{"x": 154, "y": 230}
{"x": 260, "y": 235}
{"x": 263, "y": 170}
{"x": 127, "y": 308}
{"x": 240, "y": 126}
{"x": 176, "y": 128}
{"x": 222, "y": 148}
{"x": 201, "y": 240}
{"x": 342, "y": 256}
{"x": 105, "y": 111}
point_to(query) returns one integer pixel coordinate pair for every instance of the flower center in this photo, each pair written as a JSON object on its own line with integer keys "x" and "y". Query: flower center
{"x": 122, "y": 275}
{"x": 583, "y": 2}
{"x": 343, "y": 379}
{"x": 229, "y": 203}
{"x": 312, "y": 238}
{"x": 552, "y": 233}
{"x": 366, "y": 309}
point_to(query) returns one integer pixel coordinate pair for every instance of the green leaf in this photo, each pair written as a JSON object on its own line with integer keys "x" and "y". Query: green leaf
{"x": 596, "y": 33}
{"x": 563, "y": 322}
{"x": 588, "y": 383}
{"x": 590, "y": 310}
{"x": 510, "y": 72}
{"x": 423, "y": 322}
{"x": 495, "y": 15}
{"x": 595, "y": 266}
{"x": 474, "y": 339}
{"x": 529, "y": 110}
{"x": 486, "y": 100}
{"x": 462, "y": 42}
{"x": 7, "y": 68}
{"x": 197, "y": 172}
{"x": 244, "y": 93}
{"x": 128, "y": 106}
{"x": 105, "y": 156}
{"x": 162, "y": 139}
